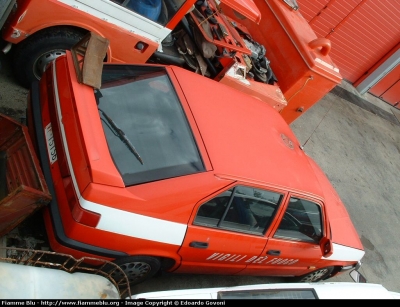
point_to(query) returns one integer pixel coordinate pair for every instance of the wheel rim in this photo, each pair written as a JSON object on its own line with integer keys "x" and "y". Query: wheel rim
{"x": 135, "y": 271}
{"x": 41, "y": 62}
{"x": 315, "y": 276}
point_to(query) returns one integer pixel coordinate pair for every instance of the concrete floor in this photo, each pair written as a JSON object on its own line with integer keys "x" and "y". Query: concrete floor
{"x": 356, "y": 141}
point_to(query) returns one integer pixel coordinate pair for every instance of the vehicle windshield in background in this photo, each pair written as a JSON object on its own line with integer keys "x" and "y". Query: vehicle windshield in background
{"x": 147, "y": 132}
{"x": 271, "y": 294}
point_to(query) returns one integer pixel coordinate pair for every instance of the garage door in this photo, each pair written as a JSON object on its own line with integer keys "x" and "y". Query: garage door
{"x": 361, "y": 31}
{"x": 388, "y": 88}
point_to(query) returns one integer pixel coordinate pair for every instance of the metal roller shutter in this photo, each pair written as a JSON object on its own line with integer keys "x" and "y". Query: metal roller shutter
{"x": 361, "y": 31}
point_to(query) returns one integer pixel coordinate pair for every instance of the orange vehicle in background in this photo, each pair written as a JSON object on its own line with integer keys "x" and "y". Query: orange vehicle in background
{"x": 230, "y": 41}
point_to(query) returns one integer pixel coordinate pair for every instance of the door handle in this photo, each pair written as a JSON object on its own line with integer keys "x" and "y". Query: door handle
{"x": 274, "y": 252}
{"x": 196, "y": 244}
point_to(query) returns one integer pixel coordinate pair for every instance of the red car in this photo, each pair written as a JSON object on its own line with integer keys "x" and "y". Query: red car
{"x": 163, "y": 169}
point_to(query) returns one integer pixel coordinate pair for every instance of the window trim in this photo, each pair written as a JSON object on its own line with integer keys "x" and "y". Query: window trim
{"x": 191, "y": 120}
{"x": 316, "y": 201}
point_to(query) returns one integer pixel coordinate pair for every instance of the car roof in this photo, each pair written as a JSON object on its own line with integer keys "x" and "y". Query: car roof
{"x": 245, "y": 137}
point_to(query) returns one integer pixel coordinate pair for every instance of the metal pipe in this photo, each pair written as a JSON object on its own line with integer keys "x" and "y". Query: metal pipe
{"x": 169, "y": 58}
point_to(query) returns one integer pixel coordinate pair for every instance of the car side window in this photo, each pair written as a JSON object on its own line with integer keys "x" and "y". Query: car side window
{"x": 302, "y": 221}
{"x": 243, "y": 209}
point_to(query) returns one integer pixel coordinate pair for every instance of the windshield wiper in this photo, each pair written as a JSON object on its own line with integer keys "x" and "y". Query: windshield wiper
{"x": 122, "y": 136}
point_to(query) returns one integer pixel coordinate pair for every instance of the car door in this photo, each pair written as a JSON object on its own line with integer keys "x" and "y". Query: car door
{"x": 228, "y": 230}
{"x": 295, "y": 243}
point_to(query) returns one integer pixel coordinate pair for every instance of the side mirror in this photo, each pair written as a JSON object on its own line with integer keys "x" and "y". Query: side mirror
{"x": 357, "y": 277}
{"x": 326, "y": 247}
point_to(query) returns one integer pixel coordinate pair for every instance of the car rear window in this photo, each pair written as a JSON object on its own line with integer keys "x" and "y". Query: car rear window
{"x": 146, "y": 128}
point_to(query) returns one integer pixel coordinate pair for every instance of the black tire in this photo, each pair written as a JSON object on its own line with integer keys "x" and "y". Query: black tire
{"x": 137, "y": 268}
{"x": 317, "y": 275}
{"x": 32, "y": 55}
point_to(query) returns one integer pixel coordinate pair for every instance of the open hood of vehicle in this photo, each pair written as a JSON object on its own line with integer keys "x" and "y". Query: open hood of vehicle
{"x": 246, "y": 8}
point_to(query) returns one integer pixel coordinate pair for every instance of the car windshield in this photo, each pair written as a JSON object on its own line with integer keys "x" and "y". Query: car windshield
{"x": 147, "y": 132}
